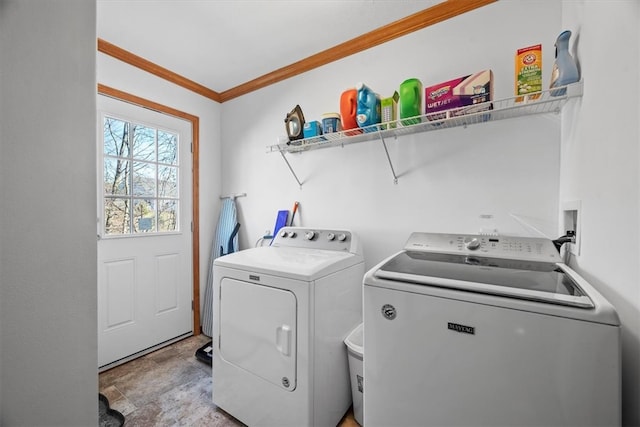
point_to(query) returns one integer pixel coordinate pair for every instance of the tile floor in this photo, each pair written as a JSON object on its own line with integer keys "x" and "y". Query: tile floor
{"x": 169, "y": 387}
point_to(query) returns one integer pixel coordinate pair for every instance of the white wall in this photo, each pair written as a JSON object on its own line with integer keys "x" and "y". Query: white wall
{"x": 47, "y": 223}
{"x": 447, "y": 179}
{"x": 119, "y": 75}
{"x": 600, "y": 164}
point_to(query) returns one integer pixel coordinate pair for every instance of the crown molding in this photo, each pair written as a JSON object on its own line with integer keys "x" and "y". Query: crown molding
{"x": 419, "y": 20}
{"x": 155, "y": 69}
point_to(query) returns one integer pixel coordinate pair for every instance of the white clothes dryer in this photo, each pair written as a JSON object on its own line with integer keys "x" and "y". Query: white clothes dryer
{"x": 281, "y": 314}
{"x": 466, "y": 330}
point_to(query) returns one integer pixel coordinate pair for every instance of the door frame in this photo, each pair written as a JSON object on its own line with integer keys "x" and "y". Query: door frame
{"x": 195, "y": 179}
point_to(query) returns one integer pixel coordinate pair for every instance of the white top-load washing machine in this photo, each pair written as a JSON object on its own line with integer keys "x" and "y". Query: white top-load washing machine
{"x": 465, "y": 330}
{"x": 281, "y": 314}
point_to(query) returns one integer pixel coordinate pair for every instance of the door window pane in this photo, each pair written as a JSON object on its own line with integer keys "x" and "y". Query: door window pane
{"x": 116, "y": 176}
{"x": 168, "y": 215}
{"x": 167, "y": 181}
{"x": 167, "y": 148}
{"x": 144, "y": 216}
{"x": 116, "y": 137}
{"x": 116, "y": 214}
{"x": 144, "y": 179}
{"x": 144, "y": 143}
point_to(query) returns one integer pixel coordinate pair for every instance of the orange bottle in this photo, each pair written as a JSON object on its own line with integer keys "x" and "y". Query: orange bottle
{"x": 348, "y": 108}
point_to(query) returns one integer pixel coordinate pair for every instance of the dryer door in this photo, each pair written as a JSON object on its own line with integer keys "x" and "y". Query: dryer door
{"x": 258, "y": 330}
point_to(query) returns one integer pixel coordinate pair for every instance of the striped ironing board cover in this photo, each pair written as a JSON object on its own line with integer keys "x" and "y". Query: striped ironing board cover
{"x": 226, "y": 223}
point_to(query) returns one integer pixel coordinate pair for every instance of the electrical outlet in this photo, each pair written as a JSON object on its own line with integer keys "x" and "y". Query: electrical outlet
{"x": 571, "y": 221}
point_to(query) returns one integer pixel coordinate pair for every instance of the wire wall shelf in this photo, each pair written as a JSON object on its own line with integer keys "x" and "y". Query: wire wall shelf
{"x": 547, "y": 101}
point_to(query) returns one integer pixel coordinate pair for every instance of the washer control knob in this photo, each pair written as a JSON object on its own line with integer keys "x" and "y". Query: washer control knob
{"x": 283, "y": 233}
{"x": 309, "y": 235}
{"x": 331, "y": 236}
{"x": 292, "y": 234}
{"x": 342, "y": 237}
{"x": 473, "y": 244}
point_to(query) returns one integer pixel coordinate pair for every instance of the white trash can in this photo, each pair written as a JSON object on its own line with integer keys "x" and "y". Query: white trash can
{"x": 354, "y": 344}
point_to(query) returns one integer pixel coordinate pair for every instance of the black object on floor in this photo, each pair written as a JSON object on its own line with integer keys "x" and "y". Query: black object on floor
{"x": 205, "y": 353}
{"x": 108, "y": 417}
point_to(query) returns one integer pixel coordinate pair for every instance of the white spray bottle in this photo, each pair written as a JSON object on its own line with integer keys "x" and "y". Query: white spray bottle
{"x": 565, "y": 69}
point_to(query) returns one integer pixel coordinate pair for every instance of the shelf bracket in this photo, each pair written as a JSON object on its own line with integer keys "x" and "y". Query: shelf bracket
{"x": 386, "y": 151}
{"x": 291, "y": 169}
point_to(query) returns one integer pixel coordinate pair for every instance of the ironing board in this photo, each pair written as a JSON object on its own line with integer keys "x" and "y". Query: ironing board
{"x": 227, "y": 226}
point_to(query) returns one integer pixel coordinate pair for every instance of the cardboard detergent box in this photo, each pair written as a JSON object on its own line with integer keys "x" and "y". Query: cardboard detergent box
{"x": 311, "y": 129}
{"x": 459, "y": 96}
{"x": 389, "y": 108}
{"x": 528, "y": 72}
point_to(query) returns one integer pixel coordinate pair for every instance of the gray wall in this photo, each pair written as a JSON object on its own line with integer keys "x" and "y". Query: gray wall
{"x": 48, "y": 296}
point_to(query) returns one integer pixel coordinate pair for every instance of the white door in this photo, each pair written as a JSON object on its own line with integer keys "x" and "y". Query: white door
{"x": 144, "y": 230}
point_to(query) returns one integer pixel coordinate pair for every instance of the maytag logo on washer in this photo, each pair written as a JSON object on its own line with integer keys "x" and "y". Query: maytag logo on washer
{"x": 461, "y": 328}
{"x": 389, "y": 311}
{"x": 254, "y": 277}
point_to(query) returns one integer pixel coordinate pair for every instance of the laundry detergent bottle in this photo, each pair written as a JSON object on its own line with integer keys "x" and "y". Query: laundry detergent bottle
{"x": 368, "y": 110}
{"x": 565, "y": 69}
{"x": 348, "y": 108}
{"x": 410, "y": 101}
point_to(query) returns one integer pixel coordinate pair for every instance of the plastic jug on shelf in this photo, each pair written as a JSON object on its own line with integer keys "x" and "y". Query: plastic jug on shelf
{"x": 368, "y": 111}
{"x": 348, "y": 108}
{"x": 410, "y": 101}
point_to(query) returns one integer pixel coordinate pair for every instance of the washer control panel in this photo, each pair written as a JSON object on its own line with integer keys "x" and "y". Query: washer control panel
{"x": 509, "y": 247}
{"x": 299, "y": 237}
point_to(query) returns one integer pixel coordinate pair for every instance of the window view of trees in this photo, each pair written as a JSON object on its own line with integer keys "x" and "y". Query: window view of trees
{"x": 141, "y": 186}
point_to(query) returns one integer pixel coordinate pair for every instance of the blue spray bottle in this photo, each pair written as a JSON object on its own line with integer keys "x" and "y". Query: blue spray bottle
{"x": 565, "y": 69}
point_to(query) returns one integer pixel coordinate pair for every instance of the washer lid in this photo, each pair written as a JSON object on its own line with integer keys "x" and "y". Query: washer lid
{"x": 528, "y": 280}
{"x": 296, "y": 263}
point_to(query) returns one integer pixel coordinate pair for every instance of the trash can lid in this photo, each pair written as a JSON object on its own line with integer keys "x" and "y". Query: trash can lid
{"x": 355, "y": 340}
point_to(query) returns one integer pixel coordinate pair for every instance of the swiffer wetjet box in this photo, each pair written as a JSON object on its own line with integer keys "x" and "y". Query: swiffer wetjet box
{"x": 459, "y": 96}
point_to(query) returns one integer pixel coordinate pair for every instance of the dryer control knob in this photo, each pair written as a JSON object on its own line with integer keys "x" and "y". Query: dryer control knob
{"x": 283, "y": 233}
{"x": 292, "y": 234}
{"x": 331, "y": 236}
{"x": 309, "y": 235}
{"x": 473, "y": 244}
{"x": 342, "y": 237}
